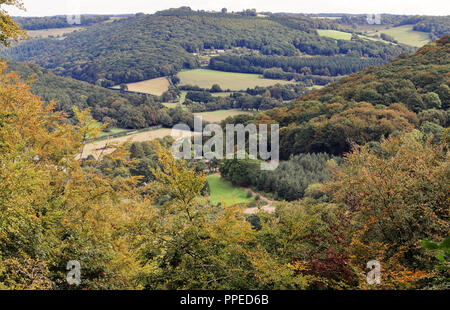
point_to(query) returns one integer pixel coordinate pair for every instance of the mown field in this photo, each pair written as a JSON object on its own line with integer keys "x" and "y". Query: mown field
{"x": 153, "y": 87}
{"x": 220, "y": 115}
{"x": 100, "y": 148}
{"x": 406, "y": 35}
{"x": 226, "y": 193}
{"x": 206, "y": 78}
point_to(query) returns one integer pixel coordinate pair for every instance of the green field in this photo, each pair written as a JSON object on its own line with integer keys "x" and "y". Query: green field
{"x": 206, "y": 78}
{"x": 52, "y": 32}
{"x": 334, "y": 34}
{"x": 226, "y": 193}
{"x": 220, "y": 115}
{"x": 341, "y": 35}
{"x": 406, "y": 35}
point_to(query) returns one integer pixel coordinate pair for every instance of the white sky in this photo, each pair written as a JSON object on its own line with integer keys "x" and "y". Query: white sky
{"x": 56, "y": 7}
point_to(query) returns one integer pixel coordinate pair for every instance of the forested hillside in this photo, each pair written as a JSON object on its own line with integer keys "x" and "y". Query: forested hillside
{"x": 147, "y": 46}
{"x": 37, "y": 23}
{"x": 107, "y": 106}
{"x": 410, "y": 92}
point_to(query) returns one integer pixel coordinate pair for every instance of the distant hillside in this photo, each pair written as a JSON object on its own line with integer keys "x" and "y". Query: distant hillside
{"x": 410, "y": 92}
{"x": 148, "y": 46}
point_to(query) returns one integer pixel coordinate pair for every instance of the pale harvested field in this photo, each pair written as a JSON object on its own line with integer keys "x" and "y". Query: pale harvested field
{"x": 153, "y": 87}
{"x": 223, "y": 94}
{"x": 105, "y": 147}
{"x": 218, "y": 116}
{"x": 56, "y": 32}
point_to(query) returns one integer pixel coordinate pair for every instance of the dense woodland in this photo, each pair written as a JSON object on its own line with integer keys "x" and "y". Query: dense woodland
{"x": 294, "y": 179}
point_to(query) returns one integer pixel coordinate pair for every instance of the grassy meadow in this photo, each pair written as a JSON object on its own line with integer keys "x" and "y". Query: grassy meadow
{"x": 153, "y": 87}
{"x": 206, "y": 78}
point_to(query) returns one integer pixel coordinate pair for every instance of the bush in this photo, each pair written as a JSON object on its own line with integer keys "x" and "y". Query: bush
{"x": 249, "y": 194}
